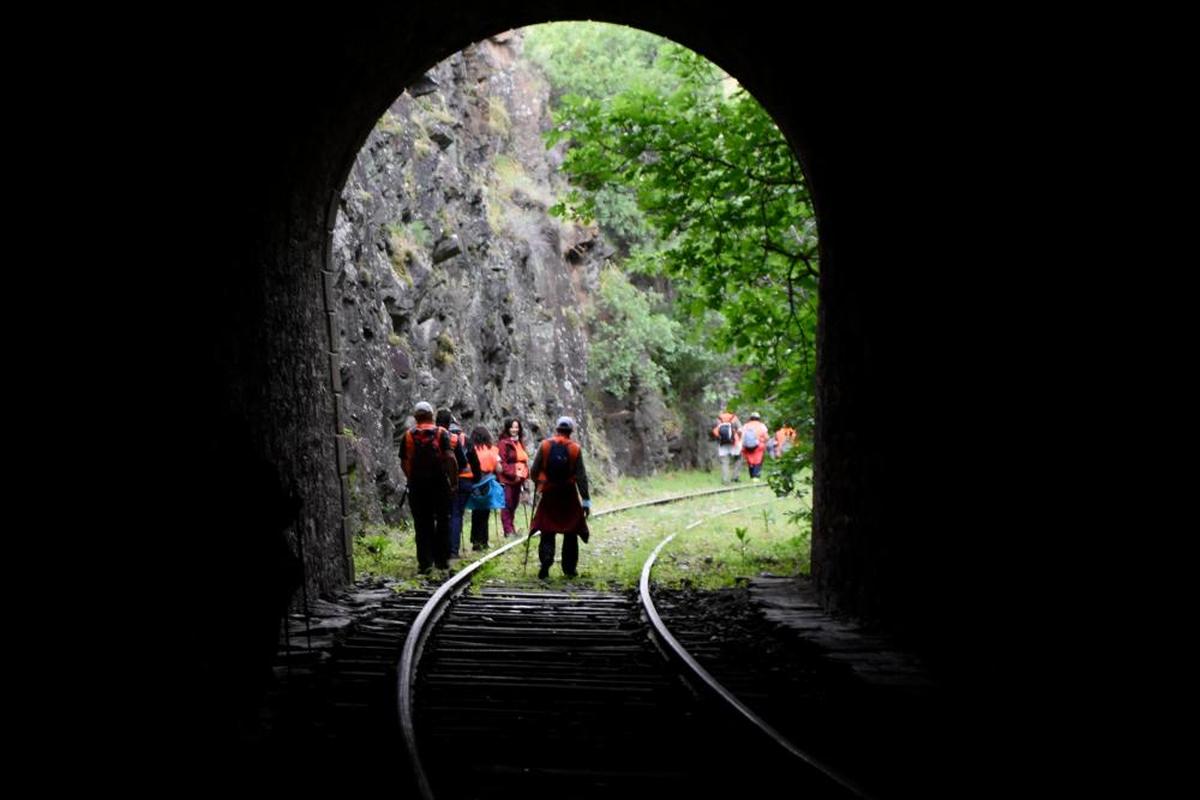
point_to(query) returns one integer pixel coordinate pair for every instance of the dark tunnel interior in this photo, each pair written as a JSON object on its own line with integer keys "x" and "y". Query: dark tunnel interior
{"x": 911, "y": 467}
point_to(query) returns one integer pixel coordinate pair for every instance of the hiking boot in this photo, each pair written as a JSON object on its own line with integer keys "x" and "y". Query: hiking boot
{"x": 544, "y": 573}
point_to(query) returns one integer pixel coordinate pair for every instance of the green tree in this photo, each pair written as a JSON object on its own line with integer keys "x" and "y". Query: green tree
{"x": 632, "y": 345}
{"x": 596, "y": 59}
{"x": 718, "y": 184}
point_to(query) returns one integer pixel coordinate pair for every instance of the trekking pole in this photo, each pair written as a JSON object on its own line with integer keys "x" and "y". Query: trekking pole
{"x": 533, "y": 509}
{"x": 529, "y": 536}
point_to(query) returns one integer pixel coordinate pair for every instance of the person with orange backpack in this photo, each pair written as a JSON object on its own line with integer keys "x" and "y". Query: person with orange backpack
{"x": 728, "y": 433}
{"x": 514, "y": 470}
{"x": 562, "y": 481}
{"x": 423, "y": 448}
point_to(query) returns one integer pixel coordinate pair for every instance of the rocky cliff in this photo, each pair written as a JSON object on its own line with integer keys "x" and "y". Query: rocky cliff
{"x": 457, "y": 286}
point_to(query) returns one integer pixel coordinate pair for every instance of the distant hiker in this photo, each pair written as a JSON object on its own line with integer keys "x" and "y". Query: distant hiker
{"x": 514, "y": 470}
{"x": 785, "y": 437}
{"x": 754, "y": 444}
{"x": 422, "y": 451}
{"x": 562, "y": 481}
{"x": 728, "y": 433}
{"x": 468, "y": 473}
{"x": 487, "y": 493}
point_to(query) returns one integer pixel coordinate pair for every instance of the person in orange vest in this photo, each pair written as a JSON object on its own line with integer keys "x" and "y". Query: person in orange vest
{"x": 486, "y": 452}
{"x": 728, "y": 432}
{"x": 785, "y": 437}
{"x": 562, "y": 480}
{"x": 514, "y": 470}
{"x": 754, "y": 444}
{"x": 468, "y": 474}
{"x": 421, "y": 450}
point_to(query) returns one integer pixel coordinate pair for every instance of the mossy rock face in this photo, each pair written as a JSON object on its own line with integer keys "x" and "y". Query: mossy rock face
{"x": 453, "y": 280}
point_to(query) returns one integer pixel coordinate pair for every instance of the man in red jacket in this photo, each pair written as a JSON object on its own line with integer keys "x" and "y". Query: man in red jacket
{"x": 421, "y": 449}
{"x": 562, "y": 481}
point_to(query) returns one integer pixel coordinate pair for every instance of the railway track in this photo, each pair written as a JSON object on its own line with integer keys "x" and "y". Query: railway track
{"x": 545, "y": 694}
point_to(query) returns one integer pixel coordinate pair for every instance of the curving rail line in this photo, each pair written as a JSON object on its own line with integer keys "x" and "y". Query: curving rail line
{"x": 703, "y": 678}
{"x": 829, "y": 781}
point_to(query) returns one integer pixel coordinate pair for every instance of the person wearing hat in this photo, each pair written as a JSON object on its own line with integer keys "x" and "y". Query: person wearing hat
{"x": 562, "y": 480}
{"x": 421, "y": 449}
{"x": 754, "y": 444}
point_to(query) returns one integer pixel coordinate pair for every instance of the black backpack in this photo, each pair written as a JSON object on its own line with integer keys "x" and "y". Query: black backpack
{"x": 558, "y": 463}
{"x": 460, "y": 451}
{"x": 725, "y": 432}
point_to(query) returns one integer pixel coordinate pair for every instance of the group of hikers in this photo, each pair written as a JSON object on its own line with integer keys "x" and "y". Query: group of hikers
{"x": 750, "y": 442}
{"x": 450, "y": 473}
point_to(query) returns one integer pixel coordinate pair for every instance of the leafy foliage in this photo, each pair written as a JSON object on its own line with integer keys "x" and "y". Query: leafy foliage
{"x": 717, "y": 183}
{"x": 596, "y": 59}
{"x": 743, "y": 540}
{"x": 632, "y": 345}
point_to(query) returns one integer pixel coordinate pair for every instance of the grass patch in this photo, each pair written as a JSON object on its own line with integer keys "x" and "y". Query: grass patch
{"x": 436, "y": 110}
{"x": 713, "y": 555}
{"x": 385, "y": 551}
{"x": 406, "y": 242}
{"x": 390, "y": 123}
{"x": 708, "y": 556}
{"x": 444, "y": 351}
{"x": 628, "y": 489}
{"x": 498, "y": 119}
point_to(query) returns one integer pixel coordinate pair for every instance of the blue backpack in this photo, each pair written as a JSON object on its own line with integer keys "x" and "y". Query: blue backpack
{"x": 487, "y": 494}
{"x": 749, "y": 438}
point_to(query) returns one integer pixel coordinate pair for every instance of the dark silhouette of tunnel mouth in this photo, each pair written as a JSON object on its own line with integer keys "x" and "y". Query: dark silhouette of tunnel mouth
{"x": 292, "y": 112}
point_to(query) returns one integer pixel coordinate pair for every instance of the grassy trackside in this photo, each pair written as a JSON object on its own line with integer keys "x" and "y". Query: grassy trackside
{"x": 708, "y": 556}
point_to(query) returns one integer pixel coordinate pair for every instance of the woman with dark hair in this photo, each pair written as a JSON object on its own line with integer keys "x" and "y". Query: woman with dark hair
{"x": 514, "y": 470}
{"x": 484, "y": 498}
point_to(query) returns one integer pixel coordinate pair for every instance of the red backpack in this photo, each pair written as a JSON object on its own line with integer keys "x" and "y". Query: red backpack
{"x": 426, "y": 457}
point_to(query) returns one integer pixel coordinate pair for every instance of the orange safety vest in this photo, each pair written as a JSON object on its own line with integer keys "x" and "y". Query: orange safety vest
{"x": 544, "y": 457}
{"x": 410, "y": 447}
{"x": 722, "y": 418}
{"x": 465, "y": 472}
{"x": 488, "y": 456}
{"x": 522, "y": 465}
